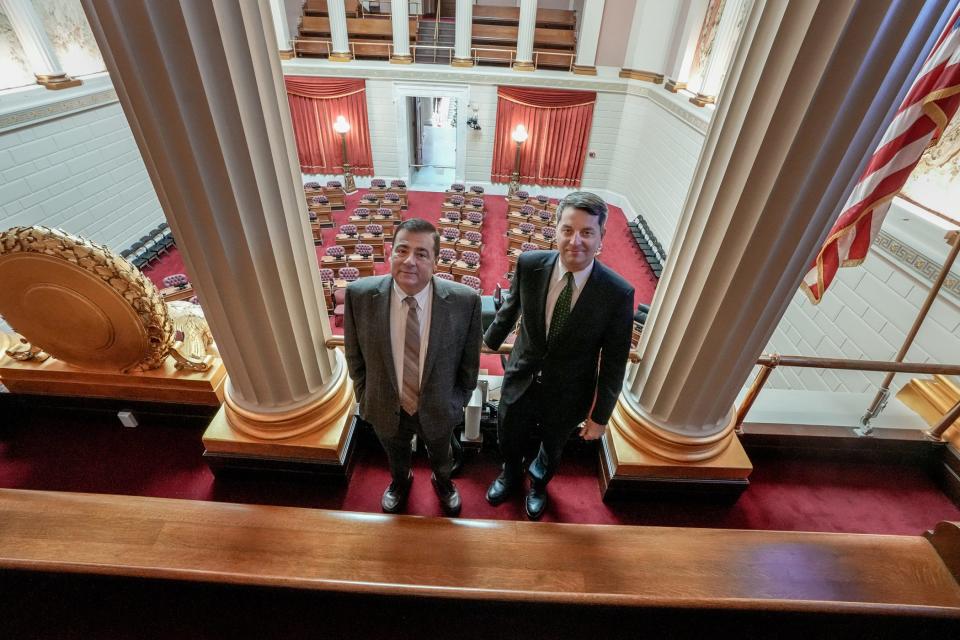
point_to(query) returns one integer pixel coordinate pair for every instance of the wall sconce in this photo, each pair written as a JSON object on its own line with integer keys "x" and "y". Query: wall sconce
{"x": 341, "y": 126}
{"x": 518, "y": 135}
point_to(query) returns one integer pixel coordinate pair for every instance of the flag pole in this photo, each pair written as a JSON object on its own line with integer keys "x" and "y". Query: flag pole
{"x": 880, "y": 401}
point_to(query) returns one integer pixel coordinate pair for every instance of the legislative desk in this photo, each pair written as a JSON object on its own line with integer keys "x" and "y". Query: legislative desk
{"x": 173, "y": 294}
{"x": 712, "y": 573}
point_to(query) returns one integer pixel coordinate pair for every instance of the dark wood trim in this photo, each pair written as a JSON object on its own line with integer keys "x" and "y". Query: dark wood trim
{"x": 947, "y": 472}
{"x": 19, "y": 407}
{"x": 833, "y": 442}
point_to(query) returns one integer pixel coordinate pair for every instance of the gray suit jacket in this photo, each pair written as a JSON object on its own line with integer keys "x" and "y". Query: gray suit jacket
{"x": 452, "y": 361}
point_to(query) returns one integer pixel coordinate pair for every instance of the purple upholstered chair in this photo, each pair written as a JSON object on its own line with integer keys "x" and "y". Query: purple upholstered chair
{"x": 444, "y": 276}
{"x": 527, "y": 210}
{"x": 473, "y": 237}
{"x": 348, "y": 229}
{"x": 451, "y": 234}
{"x": 334, "y": 184}
{"x": 398, "y": 184}
{"x": 447, "y": 256}
{"x": 526, "y": 228}
{"x": 545, "y": 215}
{"x": 457, "y": 200}
{"x": 311, "y": 216}
{"x": 451, "y": 216}
{"x": 364, "y": 250}
{"x": 326, "y": 275}
{"x": 522, "y": 195}
{"x": 336, "y": 251}
{"x": 542, "y": 199}
{"x": 528, "y": 246}
{"x": 476, "y": 202}
{"x": 378, "y": 183}
{"x": 375, "y": 230}
{"x": 549, "y": 232}
{"x": 472, "y": 281}
{"x": 194, "y": 300}
{"x": 384, "y": 213}
{"x": 348, "y": 274}
{"x": 390, "y": 196}
{"x": 361, "y": 212}
{"x": 476, "y": 189}
{"x": 177, "y": 280}
{"x": 311, "y": 185}
{"x": 475, "y": 217}
{"x": 369, "y": 198}
{"x": 471, "y": 258}
{"x": 456, "y": 186}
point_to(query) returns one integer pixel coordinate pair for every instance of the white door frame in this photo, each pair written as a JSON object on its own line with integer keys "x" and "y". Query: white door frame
{"x": 404, "y": 90}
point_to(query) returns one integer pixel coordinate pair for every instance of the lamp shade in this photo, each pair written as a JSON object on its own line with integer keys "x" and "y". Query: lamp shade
{"x": 520, "y": 134}
{"x": 341, "y": 125}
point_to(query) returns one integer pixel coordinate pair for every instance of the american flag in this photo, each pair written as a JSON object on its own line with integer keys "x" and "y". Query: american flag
{"x": 921, "y": 119}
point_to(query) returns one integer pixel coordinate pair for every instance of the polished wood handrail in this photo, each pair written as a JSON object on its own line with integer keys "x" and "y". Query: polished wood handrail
{"x": 577, "y": 564}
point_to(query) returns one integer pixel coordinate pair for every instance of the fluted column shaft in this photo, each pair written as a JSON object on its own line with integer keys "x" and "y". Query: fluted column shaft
{"x": 463, "y": 43}
{"x": 653, "y": 24}
{"x": 525, "y": 35}
{"x": 683, "y": 43}
{"x": 281, "y": 28}
{"x": 725, "y": 42}
{"x": 36, "y": 44}
{"x": 340, "y": 43}
{"x": 400, "y": 17}
{"x": 589, "y": 37}
{"x": 809, "y": 94}
{"x": 201, "y": 86}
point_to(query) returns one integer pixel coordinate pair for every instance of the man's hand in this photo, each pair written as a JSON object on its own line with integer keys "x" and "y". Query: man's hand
{"x": 591, "y": 430}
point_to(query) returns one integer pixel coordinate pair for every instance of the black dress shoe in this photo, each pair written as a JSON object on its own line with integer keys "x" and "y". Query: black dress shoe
{"x": 395, "y": 497}
{"x": 449, "y": 496}
{"x": 501, "y": 488}
{"x": 536, "y": 502}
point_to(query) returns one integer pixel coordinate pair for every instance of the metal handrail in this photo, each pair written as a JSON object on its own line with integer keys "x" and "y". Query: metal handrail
{"x": 435, "y": 48}
{"x": 477, "y": 58}
{"x": 537, "y": 54}
{"x": 326, "y": 43}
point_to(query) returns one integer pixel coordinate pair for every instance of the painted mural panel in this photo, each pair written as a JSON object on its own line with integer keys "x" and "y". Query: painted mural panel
{"x": 69, "y": 32}
{"x": 14, "y": 70}
{"x": 935, "y": 182}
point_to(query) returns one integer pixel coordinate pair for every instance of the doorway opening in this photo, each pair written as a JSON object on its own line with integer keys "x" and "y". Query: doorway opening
{"x": 433, "y": 140}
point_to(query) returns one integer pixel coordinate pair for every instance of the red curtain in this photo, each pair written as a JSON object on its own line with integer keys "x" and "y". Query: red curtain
{"x": 559, "y": 124}
{"x": 315, "y": 104}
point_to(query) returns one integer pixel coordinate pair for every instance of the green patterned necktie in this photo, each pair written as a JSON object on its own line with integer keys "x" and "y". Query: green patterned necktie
{"x": 561, "y": 311}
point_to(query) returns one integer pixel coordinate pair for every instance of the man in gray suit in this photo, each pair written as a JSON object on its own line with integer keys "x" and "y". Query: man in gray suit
{"x": 412, "y": 343}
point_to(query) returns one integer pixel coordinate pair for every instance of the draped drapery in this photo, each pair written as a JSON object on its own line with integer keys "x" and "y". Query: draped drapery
{"x": 315, "y": 104}
{"x": 558, "y": 122}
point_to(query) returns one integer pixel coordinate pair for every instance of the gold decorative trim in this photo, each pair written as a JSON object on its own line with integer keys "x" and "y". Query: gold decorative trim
{"x": 401, "y": 59}
{"x": 522, "y": 65}
{"x": 646, "y": 76}
{"x": 584, "y": 70}
{"x": 648, "y": 437}
{"x": 57, "y": 81}
{"x": 287, "y": 54}
{"x": 303, "y": 420}
{"x": 116, "y": 272}
{"x": 340, "y": 56}
{"x": 461, "y": 62}
{"x": 673, "y": 86}
{"x": 56, "y": 109}
{"x": 701, "y": 100}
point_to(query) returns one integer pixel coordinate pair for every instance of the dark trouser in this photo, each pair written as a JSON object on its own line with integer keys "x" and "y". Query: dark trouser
{"x": 397, "y": 446}
{"x": 517, "y": 419}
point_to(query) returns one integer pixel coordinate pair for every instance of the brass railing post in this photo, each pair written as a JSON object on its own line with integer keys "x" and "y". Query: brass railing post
{"x": 936, "y": 433}
{"x": 755, "y": 388}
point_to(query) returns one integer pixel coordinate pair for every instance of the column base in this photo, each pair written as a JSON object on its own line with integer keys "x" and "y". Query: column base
{"x": 340, "y": 56}
{"x": 523, "y": 65}
{"x": 646, "y": 76}
{"x": 287, "y": 54}
{"x": 401, "y": 59}
{"x": 584, "y": 70}
{"x": 461, "y": 62}
{"x": 701, "y": 100}
{"x": 317, "y": 436}
{"x": 673, "y": 86}
{"x": 626, "y": 469}
{"x": 59, "y": 81}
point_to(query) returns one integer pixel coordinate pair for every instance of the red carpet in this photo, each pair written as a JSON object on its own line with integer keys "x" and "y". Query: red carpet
{"x": 619, "y": 250}
{"x": 77, "y": 452}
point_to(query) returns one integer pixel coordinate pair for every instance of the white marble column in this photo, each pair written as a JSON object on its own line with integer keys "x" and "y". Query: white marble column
{"x": 650, "y": 31}
{"x": 36, "y": 44}
{"x": 729, "y": 31}
{"x": 784, "y": 149}
{"x": 400, "y": 17}
{"x": 218, "y": 144}
{"x": 525, "y": 35}
{"x": 463, "y": 44}
{"x": 588, "y": 38}
{"x": 282, "y": 29}
{"x": 683, "y": 43}
{"x": 340, "y": 43}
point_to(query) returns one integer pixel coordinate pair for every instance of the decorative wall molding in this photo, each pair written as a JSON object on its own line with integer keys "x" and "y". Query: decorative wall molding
{"x": 916, "y": 262}
{"x": 36, "y": 104}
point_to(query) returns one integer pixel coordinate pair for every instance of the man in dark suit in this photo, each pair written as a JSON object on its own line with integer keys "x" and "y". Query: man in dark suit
{"x": 412, "y": 345}
{"x": 571, "y": 354}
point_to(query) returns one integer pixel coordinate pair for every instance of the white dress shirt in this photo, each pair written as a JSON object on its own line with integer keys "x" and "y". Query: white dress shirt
{"x": 557, "y": 283}
{"x": 398, "y": 326}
